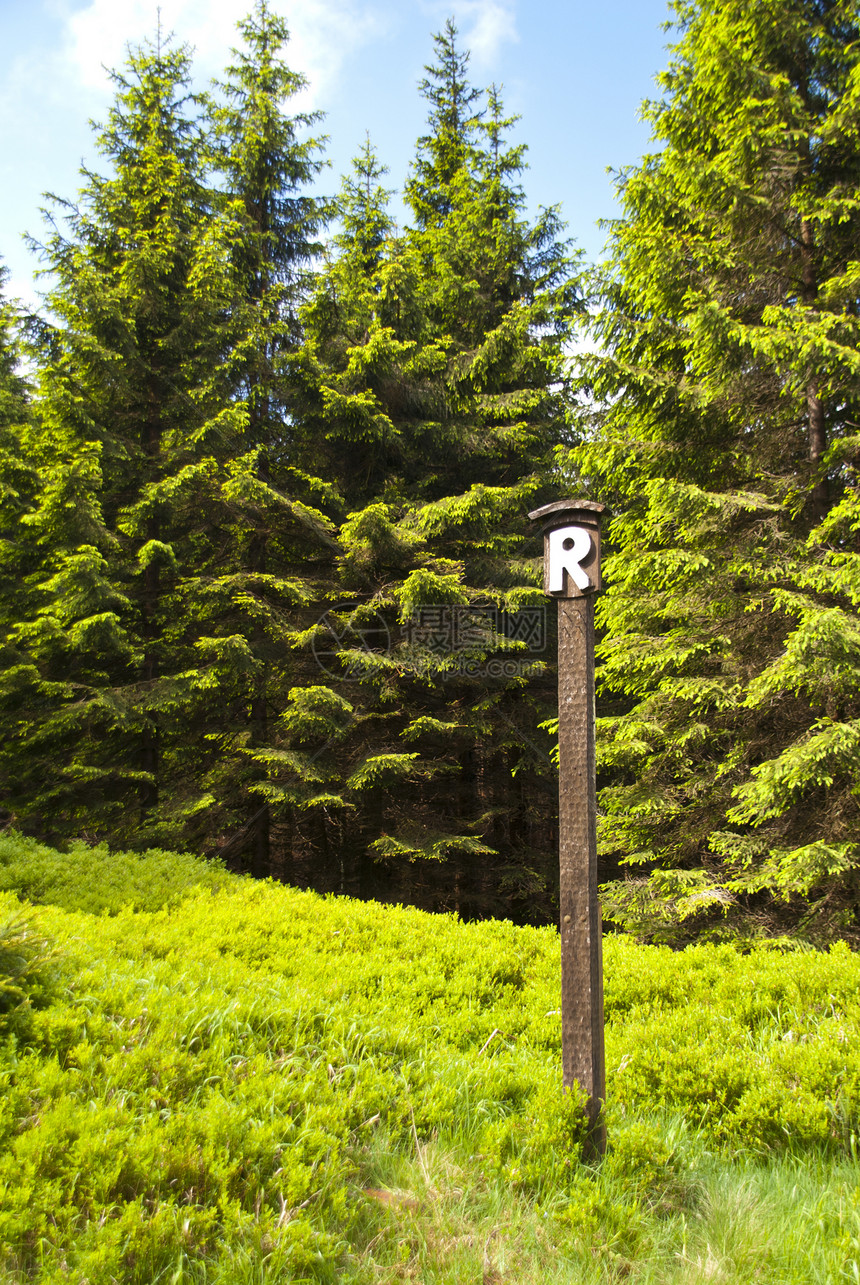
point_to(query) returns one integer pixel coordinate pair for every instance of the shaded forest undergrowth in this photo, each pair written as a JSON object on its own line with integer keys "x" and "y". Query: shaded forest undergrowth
{"x": 211, "y": 1079}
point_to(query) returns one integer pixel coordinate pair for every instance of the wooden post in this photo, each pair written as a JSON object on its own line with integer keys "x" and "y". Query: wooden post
{"x": 572, "y": 575}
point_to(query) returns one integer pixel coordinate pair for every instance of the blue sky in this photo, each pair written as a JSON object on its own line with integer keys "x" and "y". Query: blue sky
{"x": 576, "y": 72}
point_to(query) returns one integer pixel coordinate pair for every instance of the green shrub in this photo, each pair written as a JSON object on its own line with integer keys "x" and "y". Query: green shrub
{"x": 601, "y": 1222}
{"x": 538, "y": 1148}
{"x": 759, "y": 1049}
{"x": 642, "y": 1163}
{"x": 97, "y": 881}
{"x": 27, "y": 968}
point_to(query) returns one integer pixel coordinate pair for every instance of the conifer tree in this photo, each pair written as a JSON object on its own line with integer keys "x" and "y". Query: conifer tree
{"x": 447, "y": 151}
{"x": 370, "y": 368}
{"x": 132, "y": 414}
{"x": 434, "y": 369}
{"x": 370, "y": 373}
{"x": 167, "y": 591}
{"x": 505, "y": 293}
{"x": 266, "y": 161}
{"x": 727, "y": 445}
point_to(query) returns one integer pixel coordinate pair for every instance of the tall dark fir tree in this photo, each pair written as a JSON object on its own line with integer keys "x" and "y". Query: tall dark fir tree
{"x": 137, "y": 434}
{"x": 436, "y": 388}
{"x": 266, "y": 157}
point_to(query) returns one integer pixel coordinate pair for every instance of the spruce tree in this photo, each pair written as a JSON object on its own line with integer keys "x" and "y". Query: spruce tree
{"x": 447, "y": 151}
{"x": 133, "y": 417}
{"x": 436, "y": 392}
{"x": 370, "y": 373}
{"x": 727, "y": 400}
{"x": 369, "y": 367}
{"x": 266, "y": 160}
{"x": 504, "y": 293}
{"x": 172, "y": 558}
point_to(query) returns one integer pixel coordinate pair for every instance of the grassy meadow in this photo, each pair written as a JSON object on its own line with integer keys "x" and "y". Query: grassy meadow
{"x": 210, "y": 1079}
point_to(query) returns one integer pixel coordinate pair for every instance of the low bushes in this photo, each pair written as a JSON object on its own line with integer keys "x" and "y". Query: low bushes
{"x": 98, "y": 881}
{"x": 198, "y": 1099}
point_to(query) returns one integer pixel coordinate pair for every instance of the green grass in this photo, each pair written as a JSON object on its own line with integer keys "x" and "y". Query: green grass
{"x": 216, "y": 1080}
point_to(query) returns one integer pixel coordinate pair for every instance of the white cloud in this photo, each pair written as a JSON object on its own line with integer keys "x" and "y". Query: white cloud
{"x": 484, "y": 26}
{"x": 323, "y": 33}
{"x": 489, "y": 24}
{"x": 97, "y": 36}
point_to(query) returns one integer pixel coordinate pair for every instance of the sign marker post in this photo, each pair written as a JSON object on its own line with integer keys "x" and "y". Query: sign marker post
{"x": 572, "y": 575}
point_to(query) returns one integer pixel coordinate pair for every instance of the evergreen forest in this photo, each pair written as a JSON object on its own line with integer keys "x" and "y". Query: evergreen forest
{"x": 268, "y": 588}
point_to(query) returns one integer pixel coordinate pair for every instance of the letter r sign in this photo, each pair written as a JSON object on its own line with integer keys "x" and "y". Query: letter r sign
{"x": 571, "y": 547}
